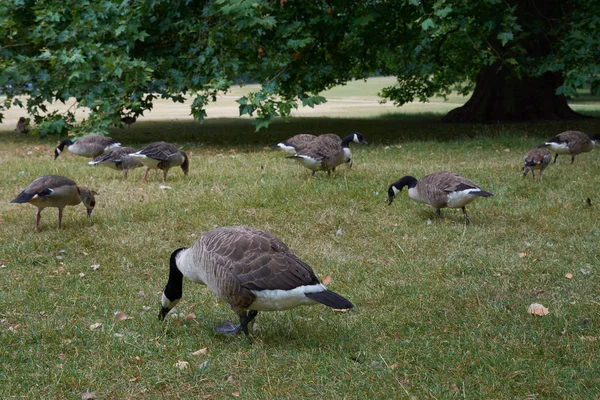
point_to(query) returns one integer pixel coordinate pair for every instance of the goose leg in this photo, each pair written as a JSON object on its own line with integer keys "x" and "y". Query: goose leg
{"x": 328, "y": 172}
{"x": 438, "y": 213}
{"x": 467, "y": 220}
{"x": 124, "y": 174}
{"x": 60, "y": 210}
{"x": 349, "y": 162}
{"x": 555, "y": 157}
{"x": 145, "y": 178}
{"x": 313, "y": 174}
{"x": 165, "y": 176}
{"x": 572, "y": 159}
{"x": 38, "y": 217}
{"x": 228, "y": 328}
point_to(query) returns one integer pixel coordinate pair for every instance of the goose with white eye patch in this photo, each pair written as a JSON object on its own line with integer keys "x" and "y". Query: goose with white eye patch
{"x": 164, "y": 156}
{"x": 573, "y": 143}
{"x": 56, "y": 191}
{"x": 250, "y": 269}
{"x": 439, "y": 190}
{"x": 325, "y": 152}
{"x": 88, "y": 146}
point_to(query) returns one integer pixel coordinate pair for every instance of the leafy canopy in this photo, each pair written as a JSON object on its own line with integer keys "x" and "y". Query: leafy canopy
{"x": 115, "y": 57}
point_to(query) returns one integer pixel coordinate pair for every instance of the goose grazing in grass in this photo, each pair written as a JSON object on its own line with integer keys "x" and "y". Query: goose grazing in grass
{"x": 118, "y": 159}
{"x": 128, "y": 121}
{"x": 538, "y": 158}
{"x": 250, "y": 269}
{"x": 87, "y": 146}
{"x": 22, "y": 126}
{"x": 572, "y": 142}
{"x": 295, "y": 143}
{"x": 164, "y": 156}
{"x": 56, "y": 191}
{"x": 325, "y": 152}
{"x": 439, "y": 190}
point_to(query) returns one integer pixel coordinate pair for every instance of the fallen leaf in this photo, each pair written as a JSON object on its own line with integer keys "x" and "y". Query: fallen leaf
{"x": 95, "y": 267}
{"x": 536, "y": 260}
{"x": 88, "y": 396}
{"x": 326, "y": 280}
{"x": 537, "y": 309}
{"x": 569, "y": 275}
{"x": 133, "y": 379}
{"x": 397, "y": 335}
{"x": 522, "y": 254}
{"x": 506, "y": 150}
{"x": 95, "y": 326}
{"x": 230, "y": 379}
{"x": 236, "y": 394}
{"x": 394, "y": 366}
{"x": 453, "y": 385}
{"x": 190, "y": 316}
{"x": 81, "y": 275}
{"x": 202, "y": 352}
{"x": 121, "y": 316}
{"x": 339, "y": 232}
{"x": 163, "y": 187}
{"x": 181, "y": 364}
{"x": 141, "y": 293}
{"x": 340, "y": 310}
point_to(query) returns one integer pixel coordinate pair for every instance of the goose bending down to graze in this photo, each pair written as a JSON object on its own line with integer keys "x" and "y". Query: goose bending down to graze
{"x": 87, "y": 146}
{"x": 572, "y": 142}
{"x": 22, "y": 126}
{"x": 538, "y": 158}
{"x": 439, "y": 190}
{"x": 164, "y": 156}
{"x": 295, "y": 143}
{"x": 118, "y": 159}
{"x": 250, "y": 269}
{"x": 56, "y": 191}
{"x": 325, "y": 152}
{"x": 128, "y": 121}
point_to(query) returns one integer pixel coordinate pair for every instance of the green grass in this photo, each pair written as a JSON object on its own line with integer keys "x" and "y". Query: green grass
{"x": 440, "y": 308}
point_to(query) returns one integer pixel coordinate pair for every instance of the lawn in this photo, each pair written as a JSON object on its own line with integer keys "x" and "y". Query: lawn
{"x": 441, "y": 308}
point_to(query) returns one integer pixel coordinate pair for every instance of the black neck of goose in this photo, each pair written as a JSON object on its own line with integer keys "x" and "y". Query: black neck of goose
{"x": 409, "y": 181}
{"x": 347, "y": 140}
{"x": 66, "y": 142}
{"x": 174, "y": 288}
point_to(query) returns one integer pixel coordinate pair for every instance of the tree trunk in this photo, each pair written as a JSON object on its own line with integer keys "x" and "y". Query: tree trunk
{"x": 499, "y": 96}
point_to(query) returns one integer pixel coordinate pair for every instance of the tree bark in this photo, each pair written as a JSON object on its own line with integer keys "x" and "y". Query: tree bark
{"x": 500, "y": 96}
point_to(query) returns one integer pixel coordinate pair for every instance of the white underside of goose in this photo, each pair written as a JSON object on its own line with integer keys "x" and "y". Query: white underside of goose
{"x": 276, "y": 300}
{"x": 461, "y": 198}
{"x": 286, "y": 148}
{"x": 559, "y": 148}
{"x": 308, "y": 162}
{"x": 347, "y": 154}
{"x": 147, "y": 161}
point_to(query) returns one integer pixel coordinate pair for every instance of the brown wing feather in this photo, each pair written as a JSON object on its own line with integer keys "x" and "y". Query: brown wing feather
{"x": 48, "y": 182}
{"x": 159, "y": 150}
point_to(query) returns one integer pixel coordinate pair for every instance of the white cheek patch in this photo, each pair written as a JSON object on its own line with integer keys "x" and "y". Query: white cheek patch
{"x": 58, "y": 150}
{"x": 356, "y": 138}
{"x": 396, "y": 190}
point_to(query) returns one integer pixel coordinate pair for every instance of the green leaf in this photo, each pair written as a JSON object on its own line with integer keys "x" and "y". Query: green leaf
{"x": 427, "y": 24}
{"x": 505, "y": 37}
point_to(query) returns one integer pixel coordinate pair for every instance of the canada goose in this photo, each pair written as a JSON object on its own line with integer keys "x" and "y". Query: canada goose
{"x": 164, "y": 156}
{"x": 538, "y": 158}
{"x": 22, "y": 126}
{"x": 118, "y": 159}
{"x": 250, "y": 269}
{"x": 128, "y": 121}
{"x": 439, "y": 190}
{"x": 56, "y": 191}
{"x": 572, "y": 142}
{"x": 88, "y": 146}
{"x": 325, "y": 153}
{"x": 295, "y": 143}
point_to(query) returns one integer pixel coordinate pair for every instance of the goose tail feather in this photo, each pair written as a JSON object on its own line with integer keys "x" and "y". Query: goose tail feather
{"x": 330, "y": 299}
{"x": 482, "y": 193}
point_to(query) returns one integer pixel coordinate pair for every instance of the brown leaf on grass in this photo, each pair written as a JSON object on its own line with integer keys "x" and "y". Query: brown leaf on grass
{"x": 181, "y": 364}
{"x": 569, "y": 276}
{"x": 95, "y": 267}
{"x": 95, "y": 326}
{"x": 202, "y": 352}
{"x": 397, "y": 335}
{"x": 230, "y": 379}
{"x": 393, "y": 366}
{"x": 453, "y": 386}
{"x": 522, "y": 254}
{"x": 190, "y": 316}
{"x": 326, "y": 280}
{"x": 537, "y": 309}
{"x": 236, "y": 394}
{"x": 121, "y": 316}
{"x": 88, "y": 396}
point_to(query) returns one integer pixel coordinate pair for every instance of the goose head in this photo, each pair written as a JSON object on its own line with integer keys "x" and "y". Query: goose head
{"x": 595, "y": 138}
{"x": 357, "y": 137}
{"x": 173, "y": 290}
{"x": 88, "y": 199}
{"x": 61, "y": 147}
{"x": 185, "y": 166}
{"x": 396, "y": 187}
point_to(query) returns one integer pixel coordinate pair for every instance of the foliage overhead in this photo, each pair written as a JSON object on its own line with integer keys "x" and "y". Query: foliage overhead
{"x": 115, "y": 57}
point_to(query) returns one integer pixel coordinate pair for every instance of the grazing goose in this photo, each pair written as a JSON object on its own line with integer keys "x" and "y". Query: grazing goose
{"x": 56, "y": 191}
{"x": 325, "y": 152}
{"x": 88, "y": 146}
{"x": 164, "y": 156}
{"x": 128, "y": 121}
{"x": 572, "y": 142}
{"x": 538, "y": 158}
{"x": 295, "y": 143}
{"x": 118, "y": 159}
{"x": 22, "y": 126}
{"x": 439, "y": 190}
{"x": 250, "y": 269}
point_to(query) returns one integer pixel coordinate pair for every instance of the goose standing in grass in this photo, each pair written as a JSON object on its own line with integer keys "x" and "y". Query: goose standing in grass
{"x": 325, "y": 152}
{"x": 295, "y": 143}
{"x": 439, "y": 190}
{"x": 128, "y": 121}
{"x": 538, "y": 158}
{"x": 56, "y": 191}
{"x": 164, "y": 156}
{"x": 573, "y": 143}
{"x": 250, "y": 269}
{"x": 22, "y": 126}
{"x": 119, "y": 159}
{"x": 88, "y": 146}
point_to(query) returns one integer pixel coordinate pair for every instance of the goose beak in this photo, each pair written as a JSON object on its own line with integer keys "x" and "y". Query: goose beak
{"x": 364, "y": 142}
{"x": 89, "y": 211}
{"x": 390, "y": 199}
{"x": 163, "y": 313}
